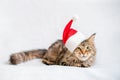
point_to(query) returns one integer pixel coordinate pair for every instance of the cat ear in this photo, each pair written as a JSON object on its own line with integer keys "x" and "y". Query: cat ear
{"x": 92, "y": 37}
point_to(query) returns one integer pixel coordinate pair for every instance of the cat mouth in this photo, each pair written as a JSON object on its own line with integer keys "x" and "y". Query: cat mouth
{"x": 82, "y": 58}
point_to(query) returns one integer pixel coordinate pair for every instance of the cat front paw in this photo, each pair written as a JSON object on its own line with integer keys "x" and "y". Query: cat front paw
{"x": 47, "y": 62}
{"x": 85, "y": 65}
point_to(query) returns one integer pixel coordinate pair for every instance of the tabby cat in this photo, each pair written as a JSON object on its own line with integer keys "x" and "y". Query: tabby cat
{"x": 57, "y": 54}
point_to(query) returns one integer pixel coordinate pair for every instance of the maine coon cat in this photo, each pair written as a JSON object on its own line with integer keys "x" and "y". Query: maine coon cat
{"x": 57, "y": 54}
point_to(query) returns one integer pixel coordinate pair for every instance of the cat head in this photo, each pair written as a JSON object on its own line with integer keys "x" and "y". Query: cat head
{"x": 85, "y": 49}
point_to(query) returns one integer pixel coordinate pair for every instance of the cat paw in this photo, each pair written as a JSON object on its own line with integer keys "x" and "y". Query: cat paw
{"x": 63, "y": 63}
{"x": 85, "y": 65}
{"x": 47, "y": 62}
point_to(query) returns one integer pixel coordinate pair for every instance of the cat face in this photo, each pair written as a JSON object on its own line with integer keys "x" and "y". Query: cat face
{"x": 86, "y": 49}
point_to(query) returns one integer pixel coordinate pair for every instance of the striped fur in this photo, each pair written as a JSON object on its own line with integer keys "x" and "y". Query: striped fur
{"x": 20, "y": 57}
{"x": 58, "y": 54}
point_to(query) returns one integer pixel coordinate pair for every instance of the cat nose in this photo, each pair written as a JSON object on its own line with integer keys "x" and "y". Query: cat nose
{"x": 84, "y": 51}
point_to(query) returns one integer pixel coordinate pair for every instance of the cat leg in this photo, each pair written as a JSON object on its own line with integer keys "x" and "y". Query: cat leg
{"x": 47, "y": 62}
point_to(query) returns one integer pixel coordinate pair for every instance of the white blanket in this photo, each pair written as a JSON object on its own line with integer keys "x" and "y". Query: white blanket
{"x": 33, "y": 24}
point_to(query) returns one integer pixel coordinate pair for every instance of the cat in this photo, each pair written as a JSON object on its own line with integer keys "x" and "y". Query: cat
{"x": 57, "y": 54}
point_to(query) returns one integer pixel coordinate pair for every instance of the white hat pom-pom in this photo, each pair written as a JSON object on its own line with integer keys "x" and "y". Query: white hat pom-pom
{"x": 75, "y": 17}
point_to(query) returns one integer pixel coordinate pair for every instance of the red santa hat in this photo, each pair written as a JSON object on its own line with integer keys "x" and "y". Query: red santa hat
{"x": 71, "y": 37}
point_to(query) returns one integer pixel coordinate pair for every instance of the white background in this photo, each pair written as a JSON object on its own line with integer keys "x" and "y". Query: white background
{"x": 33, "y": 24}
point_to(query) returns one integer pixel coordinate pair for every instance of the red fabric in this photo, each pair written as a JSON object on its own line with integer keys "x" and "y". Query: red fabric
{"x": 68, "y": 32}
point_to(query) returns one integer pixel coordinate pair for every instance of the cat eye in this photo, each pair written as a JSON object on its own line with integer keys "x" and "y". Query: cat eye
{"x": 87, "y": 47}
{"x": 83, "y": 44}
{"x": 78, "y": 48}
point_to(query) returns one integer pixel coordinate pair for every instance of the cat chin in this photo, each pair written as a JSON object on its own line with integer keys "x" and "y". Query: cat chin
{"x": 83, "y": 59}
